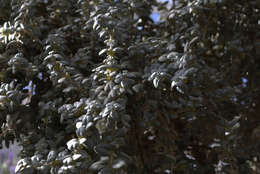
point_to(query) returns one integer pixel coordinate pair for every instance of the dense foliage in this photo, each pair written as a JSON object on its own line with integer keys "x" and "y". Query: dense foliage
{"x": 97, "y": 86}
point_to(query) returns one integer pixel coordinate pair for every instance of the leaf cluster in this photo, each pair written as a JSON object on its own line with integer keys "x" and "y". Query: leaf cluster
{"x": 99, "y": 87}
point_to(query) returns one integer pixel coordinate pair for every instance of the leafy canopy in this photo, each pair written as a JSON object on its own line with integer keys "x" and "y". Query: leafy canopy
{"x": 97, "y": 86}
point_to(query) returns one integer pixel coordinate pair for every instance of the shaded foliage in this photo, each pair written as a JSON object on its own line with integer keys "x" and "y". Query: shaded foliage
{"x": 98, "y": 87}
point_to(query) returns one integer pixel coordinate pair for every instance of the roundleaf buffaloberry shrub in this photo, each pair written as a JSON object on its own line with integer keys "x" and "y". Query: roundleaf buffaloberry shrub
{"x": 97, "y": 86}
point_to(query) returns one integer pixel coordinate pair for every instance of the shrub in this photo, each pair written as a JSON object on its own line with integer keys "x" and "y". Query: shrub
{"x": 98, "y": 87}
